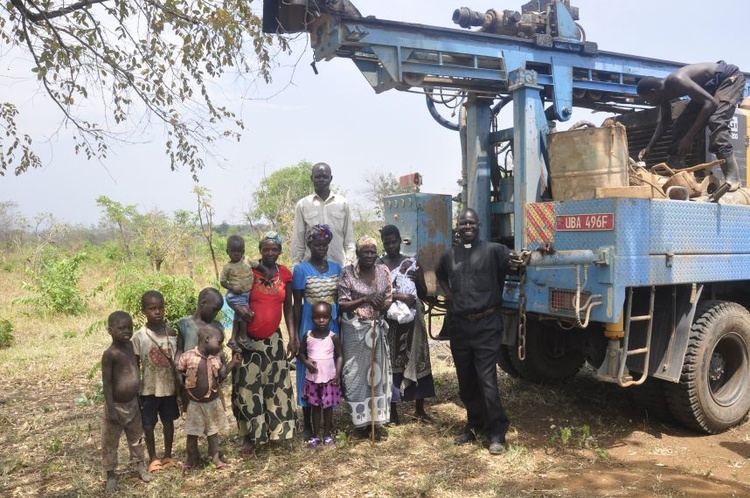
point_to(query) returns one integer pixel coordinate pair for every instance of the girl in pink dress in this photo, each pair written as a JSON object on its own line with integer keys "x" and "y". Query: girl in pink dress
{"x": 320, "y": 351}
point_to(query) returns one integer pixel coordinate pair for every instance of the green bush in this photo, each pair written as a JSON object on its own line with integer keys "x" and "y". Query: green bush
{"x": 6, "y": 333}
{"x": 180, "y": 297}
{"x": 55, "y": 285}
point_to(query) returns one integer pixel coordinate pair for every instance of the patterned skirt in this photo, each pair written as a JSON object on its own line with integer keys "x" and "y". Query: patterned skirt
{"x": 325, "y": 395}
{"x": 262, "y": 398}
{"x": 366, "y": 377}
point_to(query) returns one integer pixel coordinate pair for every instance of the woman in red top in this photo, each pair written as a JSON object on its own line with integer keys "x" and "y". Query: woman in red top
{"x": 262, "y": 398}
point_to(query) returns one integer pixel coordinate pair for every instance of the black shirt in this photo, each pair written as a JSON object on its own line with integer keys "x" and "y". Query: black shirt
{"x": 475, "y": 275}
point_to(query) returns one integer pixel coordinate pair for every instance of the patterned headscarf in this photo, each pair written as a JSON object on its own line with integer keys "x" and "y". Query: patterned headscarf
{"x": 318, "y": 232}
{"x": 366, "y": 240}
{"x": 272, "y": 236}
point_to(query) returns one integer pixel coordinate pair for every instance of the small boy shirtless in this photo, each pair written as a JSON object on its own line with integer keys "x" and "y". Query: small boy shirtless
{"x": 237, "y": 278}
{"x": 120, "y": 381}
{"x": 204, "y": 371}
{"x": 154, "y": 345}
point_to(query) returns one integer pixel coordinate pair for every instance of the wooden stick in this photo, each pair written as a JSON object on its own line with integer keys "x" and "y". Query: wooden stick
{"x": 372, "y": 385}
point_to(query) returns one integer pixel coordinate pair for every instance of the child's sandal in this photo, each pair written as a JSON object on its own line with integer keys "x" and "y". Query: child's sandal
{"x": 313, "y": 443}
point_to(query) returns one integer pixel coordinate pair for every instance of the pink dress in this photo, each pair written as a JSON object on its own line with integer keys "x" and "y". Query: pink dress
{"x": 318, "y": 389}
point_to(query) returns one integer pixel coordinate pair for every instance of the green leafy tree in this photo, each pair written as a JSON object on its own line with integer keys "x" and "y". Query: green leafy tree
{"x": 277, "y": 195}
{"x": 185, "y": 230}
{"x": 206, "y": 220}
{"x": 380, "y": 186}
{"x": 180, "y": 297}
{"x": 54, "y": 287}
{"x": 155, "y": 234}
{"x": 120, "y": 216}
{"x": 142, "y": 61}
{"x": 6, "y": 333}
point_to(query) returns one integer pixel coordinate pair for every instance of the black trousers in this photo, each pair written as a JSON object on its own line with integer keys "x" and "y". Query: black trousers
{"x": 475, "y": 347}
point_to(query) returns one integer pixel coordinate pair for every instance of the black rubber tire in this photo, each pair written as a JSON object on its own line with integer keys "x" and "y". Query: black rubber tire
{"x": 714, "y": 389}
{"x": 505, "y": 362}
{"x": 650, "y": 397}
{"x": 546, "y": 361}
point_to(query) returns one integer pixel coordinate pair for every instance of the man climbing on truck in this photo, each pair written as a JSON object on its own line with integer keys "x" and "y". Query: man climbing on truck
{"x": 715, "y": 89}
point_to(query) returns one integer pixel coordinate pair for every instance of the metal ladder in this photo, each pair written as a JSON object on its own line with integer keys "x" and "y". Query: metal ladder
{"x": 623, "y": 379}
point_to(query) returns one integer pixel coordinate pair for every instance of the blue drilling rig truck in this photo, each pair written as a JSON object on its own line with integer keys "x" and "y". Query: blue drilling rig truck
{"x": 613, "y": 275}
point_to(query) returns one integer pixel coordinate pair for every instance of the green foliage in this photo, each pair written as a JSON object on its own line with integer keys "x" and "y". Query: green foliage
{"x": 138, "y": 61}
{"x": 119, "y": 216}
{"x": 154, "y": 235}
{"x": 55, "y": 445}
{"x": 95, "y": 327}
{"x": 95, "y": 397}
{"x": 95, "y": 370}
{"x": 277, "y": 195}
{"x": 206, "y": 213}
{"x": 379, "y": 186}
{"x": 580, "y": 436}
{"x": 565, "y": 434}
{"x": 55, "y": 285}
{"x": 601, "y": 454}
{"x": 180, "y": 297}
{"x": 6, "y": 333}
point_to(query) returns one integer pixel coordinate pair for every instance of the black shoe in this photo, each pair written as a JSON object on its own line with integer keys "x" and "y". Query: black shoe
{"x": 497, "y": 445}
{"x": 497, "y": 448}
{"x": 467, "y": 436}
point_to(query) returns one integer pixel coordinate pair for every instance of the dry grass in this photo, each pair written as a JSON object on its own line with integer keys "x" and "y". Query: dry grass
{"x": 51, "y": 442}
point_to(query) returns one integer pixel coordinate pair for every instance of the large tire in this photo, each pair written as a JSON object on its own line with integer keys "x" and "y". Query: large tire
{"x": 714, "y": 389}
{"x": 505, "y": 362}
{"x": 650, "y": 397}
{"x": 548, "y": 359}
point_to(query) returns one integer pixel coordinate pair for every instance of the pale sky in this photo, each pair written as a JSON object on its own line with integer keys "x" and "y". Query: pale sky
{"x": 335, "y": 116}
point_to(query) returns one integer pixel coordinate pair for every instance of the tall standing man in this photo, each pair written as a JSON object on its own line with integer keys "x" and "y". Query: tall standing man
{"x": 715, "y": 89}
{"x": 472, "y": 275}
{"x": 324, "y": 208}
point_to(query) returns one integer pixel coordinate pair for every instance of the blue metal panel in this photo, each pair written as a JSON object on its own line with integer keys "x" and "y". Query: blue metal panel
{"x": 425, "y": 222}
{"x": 699, "y": 228}
{"x": 477, "y": 158}
{"x": 529, "y": 135}
{"x": 631, "y": 225}
{"x": 654, "y": 242}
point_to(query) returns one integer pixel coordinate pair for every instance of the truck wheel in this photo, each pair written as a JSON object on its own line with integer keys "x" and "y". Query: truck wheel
{"x": 548, "y": 358}
{"x": 650, "y": 398}
{"x": 714, "y": 389}
{"x": 505, "y": 362}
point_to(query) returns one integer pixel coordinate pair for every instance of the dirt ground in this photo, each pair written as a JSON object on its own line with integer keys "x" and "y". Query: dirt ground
{"x": 582, "y": 439}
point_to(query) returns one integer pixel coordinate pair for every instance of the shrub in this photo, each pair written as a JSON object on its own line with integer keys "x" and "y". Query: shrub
{"x": 55, "y": 285}
{"x": 180, "y": 297}
{"x": 6, "y": 333}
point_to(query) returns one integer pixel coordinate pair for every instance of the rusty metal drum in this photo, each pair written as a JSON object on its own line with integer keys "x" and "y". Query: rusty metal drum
{"x": 583, "y": 159}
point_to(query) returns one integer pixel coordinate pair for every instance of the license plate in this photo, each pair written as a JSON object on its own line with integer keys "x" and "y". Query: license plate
{"x": 595, "y": 222}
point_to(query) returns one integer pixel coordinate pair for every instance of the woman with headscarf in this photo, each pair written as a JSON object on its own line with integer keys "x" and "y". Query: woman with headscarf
{"x": 314, "y": 280}
{"x": 261, "y": 388}
{"x": 407, "y": 334}
{"x": 364, "y": 297}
